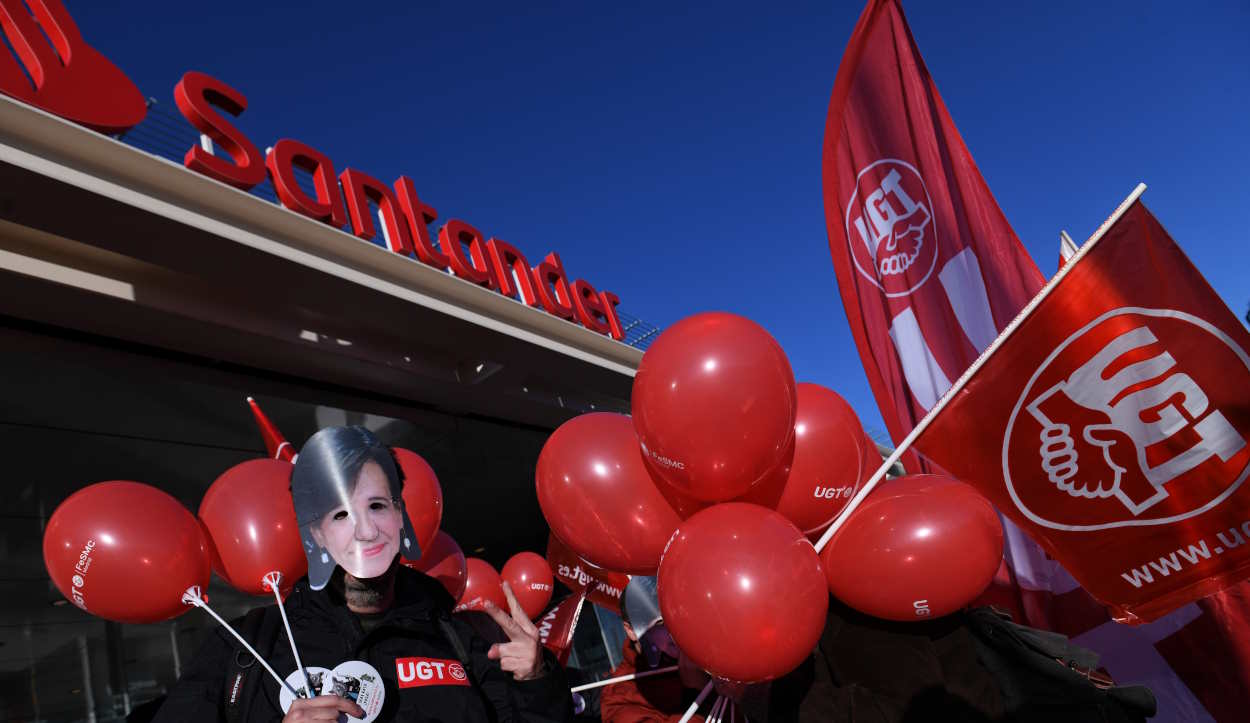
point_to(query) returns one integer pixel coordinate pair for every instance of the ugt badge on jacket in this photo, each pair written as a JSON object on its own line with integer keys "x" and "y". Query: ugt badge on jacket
{"x": 1113, "y": 424}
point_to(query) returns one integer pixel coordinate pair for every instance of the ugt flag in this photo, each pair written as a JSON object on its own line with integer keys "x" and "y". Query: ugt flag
{"x": 1112, "y": 423}
{"x": 555, "y": 628}
{"x": 928, "y": 268}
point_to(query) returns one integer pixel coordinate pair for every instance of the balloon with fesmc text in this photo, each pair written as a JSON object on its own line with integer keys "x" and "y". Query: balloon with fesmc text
{"x": 250, "y": 518}
{"x": 125, "y": 551}
{"x": 598, "y": 496}
{"x": 713, "y": 404}
{"x": 444, "y": 561}
{"x": 919, "y": 547}
{"x": 529, "y": 576}
{"x": 833, "y": 457}
{"x": 482, "y": 584}
{"x": 742, "y": 592}
{"x": 423, "y": 495}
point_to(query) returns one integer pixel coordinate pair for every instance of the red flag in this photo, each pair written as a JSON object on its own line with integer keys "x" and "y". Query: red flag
{"x": 884, "y": 106}
{"x": 1114, "y": 423}
{"x": 275, "y": 443}
{"x": 928, "y": 268}
{"x": 555, "y": 628}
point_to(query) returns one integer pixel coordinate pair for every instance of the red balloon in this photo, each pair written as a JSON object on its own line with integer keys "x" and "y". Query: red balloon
{"x": 250, "y": 519}
{"x": 598, "y": 496}
{"x": 833, "y": 457}
{"x": 481, "y": 584}
{"x": 918, "y": 547}
{"x": 602, "y": 587}
{"x": 423, "y": 496}
{"x": 713, "y": 403}
{"x": 126, "y": 552}
{"x": 530, "y": 578}
{"x": 443, "y": 561}
{"x": 742, "y": 592}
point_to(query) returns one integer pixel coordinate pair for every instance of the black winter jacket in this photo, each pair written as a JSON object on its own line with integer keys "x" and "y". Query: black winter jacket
{"x": 327, "y": 633}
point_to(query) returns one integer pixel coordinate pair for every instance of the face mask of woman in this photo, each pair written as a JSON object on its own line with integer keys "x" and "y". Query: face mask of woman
{"x": 347, "y": 492}
{"x": 363, "y": 535}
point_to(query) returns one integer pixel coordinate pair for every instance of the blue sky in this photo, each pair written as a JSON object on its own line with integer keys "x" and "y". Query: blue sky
{"x": 671, "y": 152}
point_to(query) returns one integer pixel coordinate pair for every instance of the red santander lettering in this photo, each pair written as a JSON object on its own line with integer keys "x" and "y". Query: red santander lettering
{"x": 495, "y": 264}
{"x": 196, "y": 95}
{"x": 453, "y": 237}
{"x": 360, "y": 189}
{"x": 287, "y": 155}
{"x": 552, "y": 285}
{"x": 589, "y": 307}
{"x": 420, "y": 215}
{"x": 510, "y": 265}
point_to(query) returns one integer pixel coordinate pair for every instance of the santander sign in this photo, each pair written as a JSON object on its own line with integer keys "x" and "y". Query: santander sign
{"x": 73, "y": 80}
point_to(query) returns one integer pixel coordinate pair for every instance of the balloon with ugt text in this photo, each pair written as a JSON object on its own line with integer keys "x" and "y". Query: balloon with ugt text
{"x": 742, "y": 592}
{"x": 601, "y": 587}
{"x": 250, "y": 519}
{"x": 423, "y": 495}
{"x": 529, "y": 576}
{"x": 444, "y": 561}
{"x": 833, "y": 457}
{"x": 713, "y": 404}
{"x": 482, "y": 583}
{"x": 598, "y": 497}
{"x": 919, "y": 547}
{"x": 125, "y": 551}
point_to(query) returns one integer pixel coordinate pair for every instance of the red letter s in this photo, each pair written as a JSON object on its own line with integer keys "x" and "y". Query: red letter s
{"x": 196, "y": 94}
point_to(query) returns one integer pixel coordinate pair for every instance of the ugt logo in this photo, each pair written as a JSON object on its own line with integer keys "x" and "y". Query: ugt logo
{"x": 890, "y": 227}
{"x": 60, "y": 73}
{"x": 1131, "y": 421}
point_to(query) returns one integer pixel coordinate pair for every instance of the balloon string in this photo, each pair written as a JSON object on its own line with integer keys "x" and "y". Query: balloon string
{"x": 718, "y": 709}
{"x": 623, "y": 678}
{"x": 192, "y": 597}
{"x": 697, "y": 702}
{"x": 272, "y": 579}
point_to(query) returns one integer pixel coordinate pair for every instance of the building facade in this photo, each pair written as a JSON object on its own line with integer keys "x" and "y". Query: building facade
{"x": 142, "y": 300}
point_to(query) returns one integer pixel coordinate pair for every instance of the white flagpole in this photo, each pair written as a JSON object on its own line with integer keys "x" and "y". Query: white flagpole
{"x": 985, "y": 355}
{"x": 623, "y": 678}
{"x": 1067, "y": 247}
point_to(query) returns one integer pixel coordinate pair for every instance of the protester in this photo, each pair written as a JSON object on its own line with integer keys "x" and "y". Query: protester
{"x": 660, "y": 698}
{"x": 972, "y": 666}
{"x": 359, "y": 604}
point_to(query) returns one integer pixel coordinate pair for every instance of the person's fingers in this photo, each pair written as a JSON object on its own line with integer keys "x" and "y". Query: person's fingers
{"x": 515, "y": 665}
{"x": 510, "y": 627}
{"x": 494, "y": 652}
{"x": 325, "y": 707}
{"x": 518, "y": 614}
{"x": 516, "y": 649}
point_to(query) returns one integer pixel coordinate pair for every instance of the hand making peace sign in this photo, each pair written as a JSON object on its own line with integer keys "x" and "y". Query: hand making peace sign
{"x": 522, "y": 655}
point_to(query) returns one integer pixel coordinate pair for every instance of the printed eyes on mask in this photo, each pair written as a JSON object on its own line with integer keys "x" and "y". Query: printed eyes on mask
{"x": 374, "y": 506}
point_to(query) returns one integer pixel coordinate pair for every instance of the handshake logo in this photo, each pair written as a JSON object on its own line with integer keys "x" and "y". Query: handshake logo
{"x": 56, "y": 70}
{"x": 1124, "y": 422}
{"x": 890, "y": 217}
